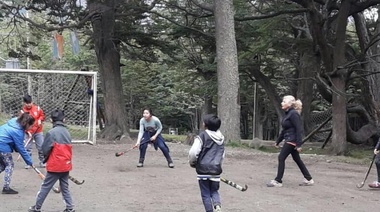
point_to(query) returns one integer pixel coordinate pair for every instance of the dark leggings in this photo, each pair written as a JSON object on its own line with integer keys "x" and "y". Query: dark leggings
{"x": 285, "y": 151}
{"x": 377, "y": 162}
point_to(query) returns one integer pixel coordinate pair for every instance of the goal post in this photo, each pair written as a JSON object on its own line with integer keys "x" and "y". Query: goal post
{"x": 73, "y": 91}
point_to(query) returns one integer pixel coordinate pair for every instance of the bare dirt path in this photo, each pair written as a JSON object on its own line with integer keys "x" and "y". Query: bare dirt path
{"x": 115, "y": 184}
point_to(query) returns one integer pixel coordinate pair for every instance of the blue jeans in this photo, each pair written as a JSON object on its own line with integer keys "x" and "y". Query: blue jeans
{"x": 209, "y": 193}
{"x": 38, "y": 139}
{"x": 158, "y": 143}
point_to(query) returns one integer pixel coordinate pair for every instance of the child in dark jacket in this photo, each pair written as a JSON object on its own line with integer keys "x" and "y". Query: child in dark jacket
{"x": 206, "y": 155}
{"x": 376, "y": 151}
{"x": 57, "y": 151}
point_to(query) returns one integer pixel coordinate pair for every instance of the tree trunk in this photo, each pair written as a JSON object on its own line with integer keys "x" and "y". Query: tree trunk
{"x": 108, "y": 56}
{"x": 206, "y": 109}
{"x": 338, "y": 79}
{"x": 370, "y": 90}
{"x": 309, "y": 65}
{"x": 227, "y": 70}
{"x": 270, "y": 91}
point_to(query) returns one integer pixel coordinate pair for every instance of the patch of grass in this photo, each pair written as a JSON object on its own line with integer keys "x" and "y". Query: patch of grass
{"x": 269, "y": 149}
{"x": 360, "y": 153}
{"x": 174, "y": 138}
{"x": 234, "y": 144}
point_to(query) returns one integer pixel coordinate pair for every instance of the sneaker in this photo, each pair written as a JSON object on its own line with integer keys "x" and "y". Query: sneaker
{"x": 33, "y": 209}
{"x": 375, "y": 184}
{"x": 307, "y": 182}
{"x": 274, "y": 183}
{"x": 42, "y": 165}
{"x": 27, "y": 167}
{"x": 139, "y": 165}
{"x": 171, "y": 165}
{"x": 218, "y": 208}
{"x": 9, "y": 191}
{"x": 69, "y": 210}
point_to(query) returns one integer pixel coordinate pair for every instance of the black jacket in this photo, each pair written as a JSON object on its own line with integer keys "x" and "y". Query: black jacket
{"x": 211, "y": 156}
{"x": 291, "y": 128}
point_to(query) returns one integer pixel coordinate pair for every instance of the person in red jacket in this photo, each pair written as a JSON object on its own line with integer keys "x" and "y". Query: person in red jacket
{"x": 35, "y": 132}
{"x": 57, "y": 150}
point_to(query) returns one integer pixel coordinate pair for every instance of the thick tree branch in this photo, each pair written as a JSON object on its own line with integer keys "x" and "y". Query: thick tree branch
{"x": 359, "y": 6}
{"x": 303, "y": 3}
{"x": 295, "y": 11}
{"x": 207, "y": 7}
{"x": 181, "y": 25}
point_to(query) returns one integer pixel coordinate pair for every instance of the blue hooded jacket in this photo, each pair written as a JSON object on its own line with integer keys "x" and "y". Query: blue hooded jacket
{"x": 12, "y": 138}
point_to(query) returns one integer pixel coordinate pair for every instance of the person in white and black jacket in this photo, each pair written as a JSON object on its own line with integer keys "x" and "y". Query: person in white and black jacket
{"x": 206, "y": 156}
{"x": 291, "y": 134}
{"x": 376, "y": 151}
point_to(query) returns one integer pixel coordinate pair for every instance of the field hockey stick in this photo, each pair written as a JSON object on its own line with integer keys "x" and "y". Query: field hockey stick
{"x": 42, "y": 176}
{"x": 26, "y": 144}
{"x": 239, "y": 187}
{"x": 118, "y": 154}
{"x": 360, "y": 185}
{"x": 76, "y": 181}
{"x": 58, "y": 189}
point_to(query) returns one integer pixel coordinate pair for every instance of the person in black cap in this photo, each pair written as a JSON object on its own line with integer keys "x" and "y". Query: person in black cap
{"x": 57, "y": 151}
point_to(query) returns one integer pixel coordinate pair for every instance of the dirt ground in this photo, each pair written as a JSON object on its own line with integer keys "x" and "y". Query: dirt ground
{"x": 116, "y": 184}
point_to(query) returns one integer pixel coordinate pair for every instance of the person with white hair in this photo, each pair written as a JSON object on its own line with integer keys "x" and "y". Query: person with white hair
{"x": 291, "y": 134}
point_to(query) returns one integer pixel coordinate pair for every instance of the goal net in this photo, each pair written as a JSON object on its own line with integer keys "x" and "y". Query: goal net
{"x": 72, "y": 91}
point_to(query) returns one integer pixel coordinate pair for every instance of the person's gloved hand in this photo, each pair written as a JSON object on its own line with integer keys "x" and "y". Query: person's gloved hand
{"x": 376, "y": 151}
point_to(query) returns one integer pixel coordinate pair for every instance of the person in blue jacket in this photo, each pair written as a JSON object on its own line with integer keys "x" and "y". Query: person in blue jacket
{"x": 12, "y": 139}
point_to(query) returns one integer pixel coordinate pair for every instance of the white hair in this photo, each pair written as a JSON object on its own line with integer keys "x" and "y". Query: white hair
{"x": 296, "y": 104}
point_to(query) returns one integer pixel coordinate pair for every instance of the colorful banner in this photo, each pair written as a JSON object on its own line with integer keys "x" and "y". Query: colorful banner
{"x": 74, "y": 42}
{"x": 59, "y": 40}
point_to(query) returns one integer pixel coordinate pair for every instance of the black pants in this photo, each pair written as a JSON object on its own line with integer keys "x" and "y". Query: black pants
{"x": 285, "y": 151}
{"x": 377, "y": 162}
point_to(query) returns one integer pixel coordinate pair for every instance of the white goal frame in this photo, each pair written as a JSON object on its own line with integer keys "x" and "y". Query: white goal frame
{"x": 91, "y": 135}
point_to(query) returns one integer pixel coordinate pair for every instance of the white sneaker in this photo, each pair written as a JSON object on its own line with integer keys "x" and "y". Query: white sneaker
{"x": 27, "y": 167}
{"x": 274, "y": 183}
{"x": 375, "y": 184}
{"x": 307, "y": 182}
{"x": 218, "y": 208}
{"x": 42, "y": 165}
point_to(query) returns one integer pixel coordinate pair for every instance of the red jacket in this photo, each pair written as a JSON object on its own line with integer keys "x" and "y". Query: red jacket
{"x": 38, "y": 114}
{"x": 60, "y": 158}
{"x": 57, "y": 149}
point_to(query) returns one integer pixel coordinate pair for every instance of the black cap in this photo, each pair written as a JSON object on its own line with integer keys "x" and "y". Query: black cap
{"x": 57, "y": 115}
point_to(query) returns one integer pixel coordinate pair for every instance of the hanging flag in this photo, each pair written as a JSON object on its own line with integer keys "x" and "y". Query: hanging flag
{"x": 55, "y": 49}
{"x": 74, "y": 42}
{"x": 59, "y": 40}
